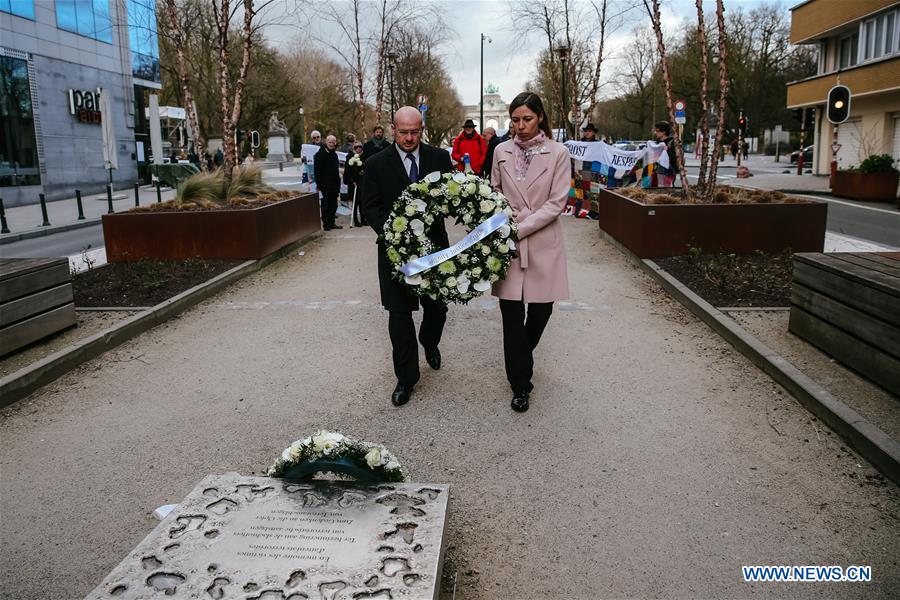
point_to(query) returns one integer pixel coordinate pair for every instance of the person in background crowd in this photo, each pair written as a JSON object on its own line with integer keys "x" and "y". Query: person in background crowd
{"x": 508, "y": 135}
{"x": 315, "y": 137}
{"x": 490, "y": 136}
{"x": 469, "y": 142}
{"x": 589, "y": 133}
{"x": 376, "y": 143}
{"x": 662, "y": 132}
{"x": 328, "y": 179}
{"x": 534, "y": 174}
{"x": 734, "y": 148}
{"x": 353, "y": 176}
{"x": 219, "y": 158}
{"x": 348, "y": 144}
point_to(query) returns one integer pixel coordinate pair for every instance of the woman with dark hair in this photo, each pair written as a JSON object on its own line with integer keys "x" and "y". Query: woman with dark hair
{"x": 534, "y": 174}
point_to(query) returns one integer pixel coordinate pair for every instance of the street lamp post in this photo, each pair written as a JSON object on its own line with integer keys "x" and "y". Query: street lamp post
{"x": 562, "y": 50}
{"x": 391, "y": 57}
{"x": 481, "y": 87}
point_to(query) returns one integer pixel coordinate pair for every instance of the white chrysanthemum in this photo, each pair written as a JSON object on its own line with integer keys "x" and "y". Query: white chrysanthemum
{"x": 486, "y": 206}
{"x": 451, "y": 282}
{"x": 373, "y": 458}
{"x": 481, "y": 285}
{"x": 414, "y": 280}
{"x": 417, "y": 227}
{"x": 485, "y": 249}
{"x": 485, "y": 190}
{"x": 410, "y": 210}
{"x": 502, "y": 248}
{"x": 471, "y": 188}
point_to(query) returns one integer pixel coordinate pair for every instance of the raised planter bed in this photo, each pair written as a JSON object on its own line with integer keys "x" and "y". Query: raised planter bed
{"x": 658, "y": 230}
{"x": 872, "y": 187}
{"x": 233, "y": 234}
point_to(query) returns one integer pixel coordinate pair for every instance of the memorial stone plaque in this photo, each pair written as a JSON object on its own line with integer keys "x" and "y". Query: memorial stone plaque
{"x": 259, "y": 538}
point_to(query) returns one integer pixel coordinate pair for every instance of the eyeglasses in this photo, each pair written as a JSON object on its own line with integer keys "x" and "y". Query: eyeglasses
{"x": 408, "y": 132}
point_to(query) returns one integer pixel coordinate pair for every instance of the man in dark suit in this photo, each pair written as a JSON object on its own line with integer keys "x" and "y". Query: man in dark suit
{"x": 328, "y": 178}
{"x": 388, "y": 173}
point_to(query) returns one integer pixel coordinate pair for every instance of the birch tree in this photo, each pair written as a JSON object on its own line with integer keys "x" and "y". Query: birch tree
{"x": 704, "y": 96}
{"x": 723, "y": 95}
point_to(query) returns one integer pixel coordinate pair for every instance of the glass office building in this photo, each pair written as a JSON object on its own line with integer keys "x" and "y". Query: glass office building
{"x": 55, "y": 57}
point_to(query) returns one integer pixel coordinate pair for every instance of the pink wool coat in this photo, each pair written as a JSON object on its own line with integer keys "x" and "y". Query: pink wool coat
{"x": 539, "y": 273}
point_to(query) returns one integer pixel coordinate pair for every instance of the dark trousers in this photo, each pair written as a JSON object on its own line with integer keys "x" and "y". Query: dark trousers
{"x": 329, "y": 208}
{"x": 403, "y": 337}
{"x": 521, "y": 337}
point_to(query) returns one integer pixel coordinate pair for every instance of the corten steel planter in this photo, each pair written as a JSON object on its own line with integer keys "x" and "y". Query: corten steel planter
{"x": 217, "y": 234}
{"x": 874, "y": 187}
{"x": 659, "y": 230}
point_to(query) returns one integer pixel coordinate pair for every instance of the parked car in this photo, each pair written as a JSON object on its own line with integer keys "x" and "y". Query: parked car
{"x": 807, "y": 155}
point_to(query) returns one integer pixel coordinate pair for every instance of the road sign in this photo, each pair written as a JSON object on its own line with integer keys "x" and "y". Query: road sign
{"x": 835, "y": 148}
{"x": 423, "y": 99}
{"x": 423, "y": 107}
{"x": 680, "y": 119}
{"x": 679, "y": 106}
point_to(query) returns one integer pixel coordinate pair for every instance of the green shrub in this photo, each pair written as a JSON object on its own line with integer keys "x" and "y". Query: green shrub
{"x": 878, "y": 163}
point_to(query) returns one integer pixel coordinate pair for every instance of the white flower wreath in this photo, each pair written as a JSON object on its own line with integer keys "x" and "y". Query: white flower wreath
{"x": 333, "y": 446}
{"x": 470, "y": 200}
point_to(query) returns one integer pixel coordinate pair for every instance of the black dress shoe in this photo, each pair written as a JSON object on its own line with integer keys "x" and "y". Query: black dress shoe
{"x": 337, "y": 226}
{"x": 433, "y": 358}
{"x": 520, "y": 401}
{"x": 401, "y": 394}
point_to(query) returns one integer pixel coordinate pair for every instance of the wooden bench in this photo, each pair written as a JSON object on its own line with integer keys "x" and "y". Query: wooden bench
{"x": 848, "y": 305}
{"x": 35, "y": 300}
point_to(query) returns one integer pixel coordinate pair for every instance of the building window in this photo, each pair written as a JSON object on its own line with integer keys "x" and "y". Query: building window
{"x": 848, "y": 51}
{"x": 143, "y": 40}
{"x": 879, "y": 35}
{"x": 21, "y": 8}
{"x": 89, "y": 18}
{"x": 18, "y": 148}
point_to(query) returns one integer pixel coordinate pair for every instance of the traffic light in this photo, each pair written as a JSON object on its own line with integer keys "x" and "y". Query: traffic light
{"x": 742, "y": 125}
{"x": 838, "y": 104}
{"x": 254, "y": 139}
{"x": 810, "y": 119}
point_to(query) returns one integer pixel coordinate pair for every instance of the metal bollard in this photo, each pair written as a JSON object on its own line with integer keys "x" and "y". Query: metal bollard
{"x": 137, "y": 195}
{"x": 80, "y": 207}
{"x": 158, "y": 193}
{"x": 46, "y": 222}
{"x": 281, "y": 166}
{"x": 109, "y": 198}
{"x": 4, "y": 228}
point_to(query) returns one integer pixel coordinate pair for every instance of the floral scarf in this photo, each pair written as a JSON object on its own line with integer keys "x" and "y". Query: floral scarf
{"x": 524, "y": 151}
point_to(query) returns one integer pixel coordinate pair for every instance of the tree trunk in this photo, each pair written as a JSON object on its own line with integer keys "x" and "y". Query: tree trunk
{"x": 704, "y": 98}
{"x": 723, "y": 92}
{"x": 595, "y": 80}
{"x": 178, "y": 37}
{"x": 359, "y": 72}
{"x": 221, "y": 13}
{"x": 667, "y": 79}
{"x": 247, "y": 48}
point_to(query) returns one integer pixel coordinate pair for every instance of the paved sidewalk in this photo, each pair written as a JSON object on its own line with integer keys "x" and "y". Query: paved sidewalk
{"x": 655, "y": 460}
{"x": 63, "y": 214}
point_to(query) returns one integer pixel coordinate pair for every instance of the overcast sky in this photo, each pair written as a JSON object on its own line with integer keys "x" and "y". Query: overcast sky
{"x": 509, "y": 69}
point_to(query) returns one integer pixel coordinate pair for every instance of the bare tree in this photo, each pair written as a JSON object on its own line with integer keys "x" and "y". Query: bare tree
{"x": 723, "y": 95}
{"x": 178, "y": 39}
{"x": 704, "y": 95}
{"x": 667, "y": 79}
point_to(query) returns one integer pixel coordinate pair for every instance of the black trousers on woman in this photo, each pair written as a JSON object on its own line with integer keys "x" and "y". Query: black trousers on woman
{"x": 520, "y": 337}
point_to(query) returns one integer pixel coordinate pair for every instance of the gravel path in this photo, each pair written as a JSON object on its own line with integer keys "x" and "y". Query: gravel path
{"x": 655, "y": 460}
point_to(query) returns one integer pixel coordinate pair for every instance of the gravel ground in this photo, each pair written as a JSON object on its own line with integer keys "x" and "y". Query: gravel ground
{"x": 876, "y": 405}
{"x": 89, "y": 323}
{"x": 655, "y": 460}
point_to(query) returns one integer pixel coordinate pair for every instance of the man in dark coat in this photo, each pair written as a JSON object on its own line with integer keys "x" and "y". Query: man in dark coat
{"x": 376, "y": 143}
{"x": 490, "y": 136}
{"x": 387, "y": 174}
{"x": 328, "y": 178}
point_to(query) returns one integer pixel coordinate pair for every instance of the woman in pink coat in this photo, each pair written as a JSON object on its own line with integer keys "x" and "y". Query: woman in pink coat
{"x": 534, "y": 174}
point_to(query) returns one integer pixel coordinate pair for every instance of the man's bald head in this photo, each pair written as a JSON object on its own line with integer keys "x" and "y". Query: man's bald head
{"x": 407, "y": 117}
{"x": 408, "y": 128}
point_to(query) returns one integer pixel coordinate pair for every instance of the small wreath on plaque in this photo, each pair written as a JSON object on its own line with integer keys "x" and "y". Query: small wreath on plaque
{"x": 332, "y": 452}
{"x": 469, "y": 267}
